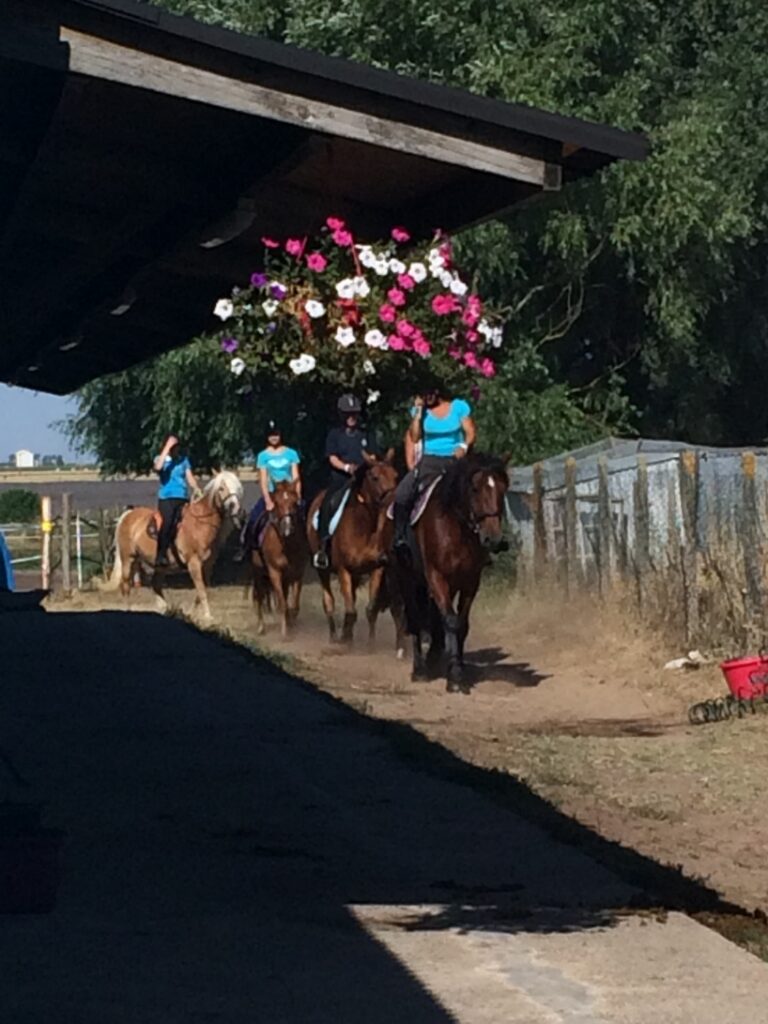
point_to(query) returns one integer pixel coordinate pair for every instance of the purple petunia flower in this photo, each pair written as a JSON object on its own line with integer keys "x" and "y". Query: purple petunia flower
{"x": 271, "y": 327}
{"x": 259, "y": 280}
{"x": 277, "y": 291}
{"x": 229, "y": 345}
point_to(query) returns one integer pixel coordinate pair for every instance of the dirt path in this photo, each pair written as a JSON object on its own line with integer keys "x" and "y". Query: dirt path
{"x": 576, "y": 705}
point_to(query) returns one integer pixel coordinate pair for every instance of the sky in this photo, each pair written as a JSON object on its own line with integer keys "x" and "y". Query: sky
{"x": 26, "y": 419}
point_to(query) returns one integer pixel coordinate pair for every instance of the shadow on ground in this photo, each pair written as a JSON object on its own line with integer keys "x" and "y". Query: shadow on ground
{"x": 226, "y": 822}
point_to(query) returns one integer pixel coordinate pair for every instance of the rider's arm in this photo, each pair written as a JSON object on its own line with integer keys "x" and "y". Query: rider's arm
{"x": 415, "y": 429}
{"x": 470, "y": 433}
{"x": 192, "y": 480}
{"x": 296, "y": 477}
{"x": 410, "y": 450}
{"x": 264, "y": 485}
{"x": 159, "y": 460}
{"x": 344, "y": 467}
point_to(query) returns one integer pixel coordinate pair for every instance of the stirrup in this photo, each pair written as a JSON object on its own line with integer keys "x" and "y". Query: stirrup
{"x": 320, "y": 559}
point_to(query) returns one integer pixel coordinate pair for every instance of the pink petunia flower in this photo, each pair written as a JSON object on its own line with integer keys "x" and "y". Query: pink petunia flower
{"x": 396, "y": 343}
{"x": 405, "y": 329}
{"x": 270, "y": 243}
{"x": 422, "y": 347}
{"x": 472, "y": 337}
{"x": 387, "y": 313}
{"x": 454, "y": 353}
{"x": 342, "y": 237}
{"x": 442, "y": 305}
{"x": 488, "y": 368}
{"x": 406, "y": 282}
{"x": 294, "y": 246}
{"x": 400, "y": 235}
{"x": 334, "y": 223}
{"x": 317, "y": 262}
{"x": 470, "y": 360}
{"x": 396, "y": 297}
{"x": 470, "y": 317}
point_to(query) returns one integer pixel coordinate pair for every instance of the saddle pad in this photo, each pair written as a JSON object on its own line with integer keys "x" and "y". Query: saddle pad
{"x": 422, "y": 500}
{"x": 336, "y": 518}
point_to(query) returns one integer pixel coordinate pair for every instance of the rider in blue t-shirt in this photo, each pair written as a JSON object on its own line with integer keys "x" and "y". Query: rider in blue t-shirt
{"x": 176, "y": 479}
{"x": 442, "y": 430}
{"x": 276, "y": 463}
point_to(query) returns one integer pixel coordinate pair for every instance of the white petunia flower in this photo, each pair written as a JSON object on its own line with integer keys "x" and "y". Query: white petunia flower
{"x": 375, "y": 339}
{"x": 418, "y": 272}
{"x": 270, "y": 306}
{"x": 369, "y": 367}
{"x": 345, "y": 289}
{"x": 237, "y": 366}
{"x": 367, "y": 256}
{"x": 345, "y": 336}
{"x": 373, "y": 396}
{"x": 497, "y": 337}
{"x": 397, "y": 266}
{"x": 278, "y": 284}
{"x": 435, "y": 256}
{"x": 224, "y": 309}
{"x": 381, "y": 267}
{"x": 361, "y": 287}
{"x": 446, "y": 278}
{"x": 457, "y": 286}
{"x": 304, "y": 364}
{"x": 485, "y": 329}
{"x": 314, "y": 308}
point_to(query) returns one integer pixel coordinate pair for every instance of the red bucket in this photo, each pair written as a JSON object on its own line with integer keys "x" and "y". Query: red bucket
{"x": 747, "y": 678}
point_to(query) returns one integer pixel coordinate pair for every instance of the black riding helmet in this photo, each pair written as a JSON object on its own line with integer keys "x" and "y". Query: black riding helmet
{"x": 349, "y": 405}
{"x": 272, "y": 427}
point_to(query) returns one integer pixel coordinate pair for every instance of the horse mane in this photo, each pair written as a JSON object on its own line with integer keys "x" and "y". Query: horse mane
{"x": 224, "y": 479}
{"x": 454, "y": 489}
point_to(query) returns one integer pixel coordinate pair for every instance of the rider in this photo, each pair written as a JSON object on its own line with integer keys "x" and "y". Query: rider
{"x": 440, "y": 431}
{"x": 345, "y": 447}
{"x": 276, "y": 463}
{"x": 176, "y": 479}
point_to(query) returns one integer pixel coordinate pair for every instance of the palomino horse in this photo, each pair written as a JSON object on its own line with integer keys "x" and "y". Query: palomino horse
{"x": 195, "y": 544}
{"x": 462, "y": 523}
{"x": 279, "y": 562}
{"x": 359, "y": 544}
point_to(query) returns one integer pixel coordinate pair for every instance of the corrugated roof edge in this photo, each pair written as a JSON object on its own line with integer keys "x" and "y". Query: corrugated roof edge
{"x": 604, "y": 139}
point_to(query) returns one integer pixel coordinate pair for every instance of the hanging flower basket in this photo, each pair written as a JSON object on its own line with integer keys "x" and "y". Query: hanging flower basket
{"x": 330, "y": 310}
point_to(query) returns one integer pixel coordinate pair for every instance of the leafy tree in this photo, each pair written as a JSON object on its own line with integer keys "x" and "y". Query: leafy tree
{"x": 18, "y": 505}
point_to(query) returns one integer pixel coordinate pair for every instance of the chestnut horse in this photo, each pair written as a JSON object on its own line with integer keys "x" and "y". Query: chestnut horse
{"x": 359, "y": 545}
{"x": 195, "y": 544}
{"x": 280, "y": 561}
{"x": 462, "y": 523}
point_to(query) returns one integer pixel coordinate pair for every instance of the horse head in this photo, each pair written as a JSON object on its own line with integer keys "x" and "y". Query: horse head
{"x": 480, "y": 484}
{"x": 376, "y": 479}
{"x": 286, "y": 513}
{"x": 225, "y": 492}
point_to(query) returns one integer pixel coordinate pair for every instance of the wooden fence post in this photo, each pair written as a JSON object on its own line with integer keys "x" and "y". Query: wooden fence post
{"x": 46, "y": 527}
{"x": 642, "y": 557}
{"x": 571, "y": 553}
{"x": 750, "y": 541}
{"x": 539, "y": 525}
{"x": 604, "y": 527}
{"x": 689, "y": 499}
{"x": 103, "y": 544}
{"x": 66, "y": 532}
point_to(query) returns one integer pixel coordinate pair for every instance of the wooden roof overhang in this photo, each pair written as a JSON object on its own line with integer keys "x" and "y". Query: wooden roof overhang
{"x": 142, "y": 156}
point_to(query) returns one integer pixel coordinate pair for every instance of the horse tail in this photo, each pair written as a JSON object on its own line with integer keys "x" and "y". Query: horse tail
{"x": 116, "y": 575}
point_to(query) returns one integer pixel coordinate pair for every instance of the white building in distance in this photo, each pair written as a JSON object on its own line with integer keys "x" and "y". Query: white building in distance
{"x": 24, "y": 459}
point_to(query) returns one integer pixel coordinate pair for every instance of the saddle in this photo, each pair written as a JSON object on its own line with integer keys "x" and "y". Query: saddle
{"x": 154, "y": 524}
{"x": 423, "y": 496}
{"x": 338, "y": 502}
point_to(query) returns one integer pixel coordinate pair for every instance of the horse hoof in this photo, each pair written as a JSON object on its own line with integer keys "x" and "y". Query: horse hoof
{"x": 452, "y": 686}
{"x": 400, "y": 654}
{"x": 419, "y": 675}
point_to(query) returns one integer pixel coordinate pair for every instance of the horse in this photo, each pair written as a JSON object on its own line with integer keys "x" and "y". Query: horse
{"x": 359, "y": 545}
{"x": 200, "y": 524}
{"x": 279, "y": 562}
{"x": 461, "y": 524}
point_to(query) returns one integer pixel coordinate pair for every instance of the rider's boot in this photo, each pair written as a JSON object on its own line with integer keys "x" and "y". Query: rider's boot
{"x": 401, "y": 547}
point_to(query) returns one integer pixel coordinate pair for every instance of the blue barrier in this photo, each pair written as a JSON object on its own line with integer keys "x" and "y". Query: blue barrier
{"x": 6, "y": 569}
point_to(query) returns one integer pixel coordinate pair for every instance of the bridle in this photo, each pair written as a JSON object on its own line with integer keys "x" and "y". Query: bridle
{"x": 293, "y": 517}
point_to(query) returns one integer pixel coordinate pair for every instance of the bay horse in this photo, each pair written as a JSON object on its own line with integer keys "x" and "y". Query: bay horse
{"x": 195, "y": 544}
{"x": 279, "y": 562}
{"x": 359, "y": 545}
{"x": 461, "y": 524}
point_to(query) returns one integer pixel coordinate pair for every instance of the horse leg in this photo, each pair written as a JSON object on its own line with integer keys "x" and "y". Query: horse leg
{"x": 157, "y": 587}
{"x": 466, "y": 598}
{"x": 419, "y": 673}
{"x": 278, "y": 589}
{"x": 442, "y": 597}
{"x": 347, "y": 585}
{"x": 195, "y": 570}
{"x": 437, "y": 639}
{"x": 374, "y": 607}
{"x": 294, "y": 599}
{"x": 329, "y": 605}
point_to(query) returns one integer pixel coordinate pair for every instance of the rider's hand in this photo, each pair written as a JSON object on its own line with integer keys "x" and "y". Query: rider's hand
{"x": 269, "y": 504}
{"x": 351, "y": 468}
{"x": 418, "y": 401}
{"x": 459, "y": 452}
